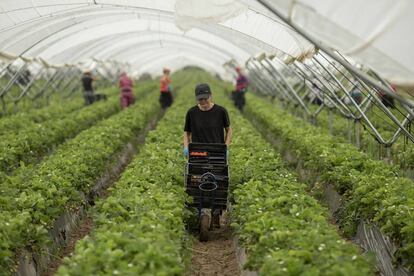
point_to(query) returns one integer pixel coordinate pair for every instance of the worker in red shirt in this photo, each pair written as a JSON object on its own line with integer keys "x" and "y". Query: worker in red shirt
{"x": 166, "y": 98}
{"x": 125, "y": 85}
{"x": 240, "y": 89}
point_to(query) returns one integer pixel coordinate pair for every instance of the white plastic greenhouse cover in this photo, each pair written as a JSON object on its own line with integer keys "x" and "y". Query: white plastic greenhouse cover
{"x": 150, "y": 34}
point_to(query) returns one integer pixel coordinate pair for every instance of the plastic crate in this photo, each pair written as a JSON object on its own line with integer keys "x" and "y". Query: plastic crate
{"x": 207, "y": 153}
{"x": 210, "y": 162}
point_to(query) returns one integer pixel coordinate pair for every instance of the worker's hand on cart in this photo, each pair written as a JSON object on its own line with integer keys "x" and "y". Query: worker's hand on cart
{"x": 185, "y": 151}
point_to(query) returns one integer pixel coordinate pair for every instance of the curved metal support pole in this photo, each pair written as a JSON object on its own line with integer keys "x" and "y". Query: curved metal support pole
{"x": 282, "y": 92}
{"x": 292, "y": 91}
{"x": 70, "y": 78}
{"x": 399, "y": 131}
{"x": 278, "y": 81}
{"x": 387, "y": 111}
{"x": 366, "y": 119}
{"x": 306, "y": 82}
{"x": 46, "y": 85}
{"x": 332, "y": 94}
{"x": 13, "y": 80}
{"x": 329, "y": 52}
{"x": 29, "y": 86}
{"x": 263, "y": 84}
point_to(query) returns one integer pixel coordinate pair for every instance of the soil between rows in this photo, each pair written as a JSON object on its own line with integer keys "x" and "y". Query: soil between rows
{"x": 217, "y": 256}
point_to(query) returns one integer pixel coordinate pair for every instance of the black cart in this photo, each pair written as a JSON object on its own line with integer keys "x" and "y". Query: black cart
{"x": 207, "y": 181}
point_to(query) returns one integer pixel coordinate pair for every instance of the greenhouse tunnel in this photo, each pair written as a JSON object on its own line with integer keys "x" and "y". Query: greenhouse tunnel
{"x": 306, "y": 58}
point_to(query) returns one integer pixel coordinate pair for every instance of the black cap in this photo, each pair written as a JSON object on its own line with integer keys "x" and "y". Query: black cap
{"x": 202, "y": 91}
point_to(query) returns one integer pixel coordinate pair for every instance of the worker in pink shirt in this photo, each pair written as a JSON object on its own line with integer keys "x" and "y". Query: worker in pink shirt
{"x": 166, "y": 98}
{"x": 125, "y": 85}
{"x": 240, "y": 89}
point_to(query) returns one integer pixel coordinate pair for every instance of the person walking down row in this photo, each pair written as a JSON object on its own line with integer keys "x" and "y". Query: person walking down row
{"x": 88, "y": 92}
{"x": 240, "y": 89}
{"x": 166, "y": 98}
{"x": 126, "y": 85}
{"x": 207, "y": 122}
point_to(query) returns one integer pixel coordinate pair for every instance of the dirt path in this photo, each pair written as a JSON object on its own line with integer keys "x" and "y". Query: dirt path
{"x": 84, "y": 229}
{"x": 217, "y": 256}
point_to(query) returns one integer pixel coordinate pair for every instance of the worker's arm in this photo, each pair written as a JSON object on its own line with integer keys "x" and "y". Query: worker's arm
{"x": 187, "y": 138}
{"x": 229, "y": 135}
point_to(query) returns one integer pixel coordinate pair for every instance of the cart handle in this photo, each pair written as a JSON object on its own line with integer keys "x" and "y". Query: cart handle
{"x": 205, "y": 181}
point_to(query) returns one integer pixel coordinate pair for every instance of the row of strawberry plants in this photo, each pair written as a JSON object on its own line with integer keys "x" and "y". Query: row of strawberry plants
{"x": 21, "y": 119}
{"x": 402, "y": 153}
{"x": 57, "y": 185}
{"x": 54, "y": 111}
{"x": 35, "y": 140}
{"x": 285, "y": 231}
{"x": 139, "y": 227}
{"x": 26, "y": 104}
{"x": 372, "y": 191}
{"x": 14, "y": 185}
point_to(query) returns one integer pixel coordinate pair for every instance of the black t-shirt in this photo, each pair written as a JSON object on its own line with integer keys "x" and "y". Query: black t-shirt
{"x": 87, "y": 83}
{"x": 207, "y": 126}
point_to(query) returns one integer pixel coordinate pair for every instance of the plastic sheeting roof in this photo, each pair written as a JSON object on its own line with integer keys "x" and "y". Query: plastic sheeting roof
{"x": 151, "y": 34}
{"x": 376, "y": 33}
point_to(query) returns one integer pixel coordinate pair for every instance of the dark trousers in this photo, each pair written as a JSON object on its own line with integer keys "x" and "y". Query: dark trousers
{"x": 239, "y": 99}
{"x": 166, "y": 99}
{"x": 89, "y": 97}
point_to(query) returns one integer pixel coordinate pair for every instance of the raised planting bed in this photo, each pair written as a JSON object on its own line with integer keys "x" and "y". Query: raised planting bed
{"x": 139, "y": 227}
{"x": 371, "y": 192}
{"x": 63, "y": 182}
{"x": 283, "y": 229}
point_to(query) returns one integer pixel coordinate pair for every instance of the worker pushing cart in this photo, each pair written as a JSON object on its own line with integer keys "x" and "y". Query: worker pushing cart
{"x": 207, "y": 135}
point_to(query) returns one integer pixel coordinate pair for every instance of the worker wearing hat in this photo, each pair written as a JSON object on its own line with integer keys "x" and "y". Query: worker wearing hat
{"x": 207, "y": 122}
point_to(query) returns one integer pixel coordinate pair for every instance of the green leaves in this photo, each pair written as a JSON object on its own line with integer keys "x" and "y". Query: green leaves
{"x": 369, "y": 187}
{"x": 53, "y": 111}
{"x": 56, "y": 185}
{"x": 284, "y": 230}
{"x": 36, "y": 139}
{"x": 139, "y": 228}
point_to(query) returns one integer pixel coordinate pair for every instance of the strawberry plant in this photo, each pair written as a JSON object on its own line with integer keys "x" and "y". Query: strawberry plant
{"x": 22, "y": 119}
{"x": 27, "y": 144}
{"x": 139, "y": 227}
{"x": 372, "y": 190}
{"x": 284, "y": 230}
{"x": 57, "y": 184}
